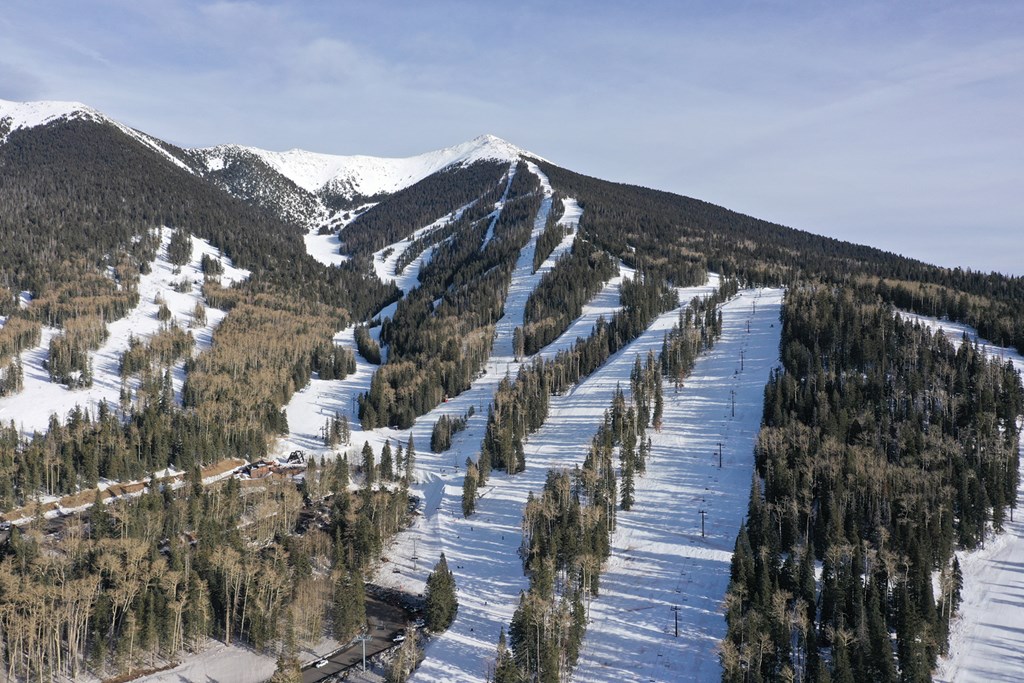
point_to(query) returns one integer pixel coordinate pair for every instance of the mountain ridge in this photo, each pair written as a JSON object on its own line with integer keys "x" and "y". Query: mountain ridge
{"x": 314, "y": 172}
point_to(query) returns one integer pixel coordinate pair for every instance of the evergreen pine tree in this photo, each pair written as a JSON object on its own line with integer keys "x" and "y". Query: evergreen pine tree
{"x": 410, "y": 461}
{"x": 369, "y": 468}
{"x": 442, "y": 603}
{"x": 469, "y": 488}
{"x": 387, "y": 472}
{"x": 505, "y": 669}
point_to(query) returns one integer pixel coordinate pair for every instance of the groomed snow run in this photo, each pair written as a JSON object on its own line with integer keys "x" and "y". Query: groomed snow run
{"x": 661, "y": 566}
{"x": 483, "y": 550}
{"x": 986, "y": 640}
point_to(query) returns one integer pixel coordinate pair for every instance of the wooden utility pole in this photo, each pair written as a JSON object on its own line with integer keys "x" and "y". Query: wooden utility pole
{"x": 703, "y": 514}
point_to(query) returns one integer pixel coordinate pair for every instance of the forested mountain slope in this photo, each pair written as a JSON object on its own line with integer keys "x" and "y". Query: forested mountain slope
{"x": 882, "y": 450}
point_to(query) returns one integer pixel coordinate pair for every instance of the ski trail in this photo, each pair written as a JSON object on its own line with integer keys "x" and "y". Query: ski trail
{"x": 30, "y": 409}
{"x": 482, "y": 551}
{"x": 498, "y": 207}
{"x": 320, "y": 400}
{"x": 661, "y": 566}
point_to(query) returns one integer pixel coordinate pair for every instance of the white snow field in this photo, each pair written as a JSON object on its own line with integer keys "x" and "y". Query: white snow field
{"x": 367, "y": 175}
{"x": 986, "y": 641}
{"x": 661, "y": 566}
{"x": 31, "y": 408}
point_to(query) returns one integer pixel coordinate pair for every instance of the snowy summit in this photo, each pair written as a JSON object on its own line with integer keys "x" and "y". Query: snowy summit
{"x": 368, "y": 175}
{"x": 17, "y": 115}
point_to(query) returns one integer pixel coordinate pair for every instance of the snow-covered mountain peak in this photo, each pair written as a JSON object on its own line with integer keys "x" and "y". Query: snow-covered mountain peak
{"x": 18, "y": 115}
{"x": 362, "y": 174}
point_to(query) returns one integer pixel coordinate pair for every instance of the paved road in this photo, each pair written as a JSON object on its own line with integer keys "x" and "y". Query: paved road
{"x": 385, "y": 622}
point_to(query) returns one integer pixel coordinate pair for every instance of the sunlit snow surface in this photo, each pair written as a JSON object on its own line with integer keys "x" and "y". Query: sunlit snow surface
{"x": 30, "y": 409}
{"x": 483, "y": 550}
{"x": 986, "y": 642}
{"x": 367, "y": 175}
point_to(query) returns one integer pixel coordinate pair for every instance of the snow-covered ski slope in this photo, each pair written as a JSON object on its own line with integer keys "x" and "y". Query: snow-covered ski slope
{"x": 986, "y": 641}
{"x": 661, "y": 567}
{"x": 483, "y": 550}
{"x": 310, "y": 407}
{"x": 30, "y": 409}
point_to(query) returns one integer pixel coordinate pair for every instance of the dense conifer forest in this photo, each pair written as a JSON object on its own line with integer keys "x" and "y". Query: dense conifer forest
{"x": 883, "y": 449}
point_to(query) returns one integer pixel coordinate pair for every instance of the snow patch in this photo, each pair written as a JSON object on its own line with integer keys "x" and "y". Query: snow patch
{"x": 31, "y": 408}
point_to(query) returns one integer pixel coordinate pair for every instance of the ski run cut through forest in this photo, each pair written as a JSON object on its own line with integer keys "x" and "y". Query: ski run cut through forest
{"x": 558, "y": 431}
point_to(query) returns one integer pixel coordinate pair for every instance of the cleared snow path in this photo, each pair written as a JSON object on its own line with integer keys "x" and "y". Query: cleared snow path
{"x": 321, "y": 399}
{"x": 482, "y": 551}
{"x": 986, "y": 641}
{"x": 499, "y": 206}
{"x": 660, "y": 563}
{"x": 31, "y": 408}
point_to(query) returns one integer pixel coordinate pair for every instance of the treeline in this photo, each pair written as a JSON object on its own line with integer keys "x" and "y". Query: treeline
{"x": 366, "y": 345}
{"x": 16, "y": 335}
{"x": 989, "y": 303}
{"x": 68, "y": 362}
{"x": 246, "y": 176}
{"x": 12, "y": 378}
{"x": 696, "y": 330}
{"x": 684, "y": 237}
{"x": 445, "y": 428}
{"x": 883, "y": 449}
{"x": 553, "y": 233}
{"x": 262, "y": 353}
{"x": 562, "y": 292}
{"x": 419, "y": 205}
{"x": 567, "y": 537}
{"x": 441, "y": 333}
{"x": 478, "y": 210}
{"x": 134, "y": 583}
{"x": 520, "y": 407}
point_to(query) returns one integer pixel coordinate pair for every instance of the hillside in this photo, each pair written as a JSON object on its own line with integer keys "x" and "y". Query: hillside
{"x": 484, "y": 357}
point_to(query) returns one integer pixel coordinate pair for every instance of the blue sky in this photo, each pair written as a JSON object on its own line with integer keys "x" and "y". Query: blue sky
{"x": 896, "y": 124}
